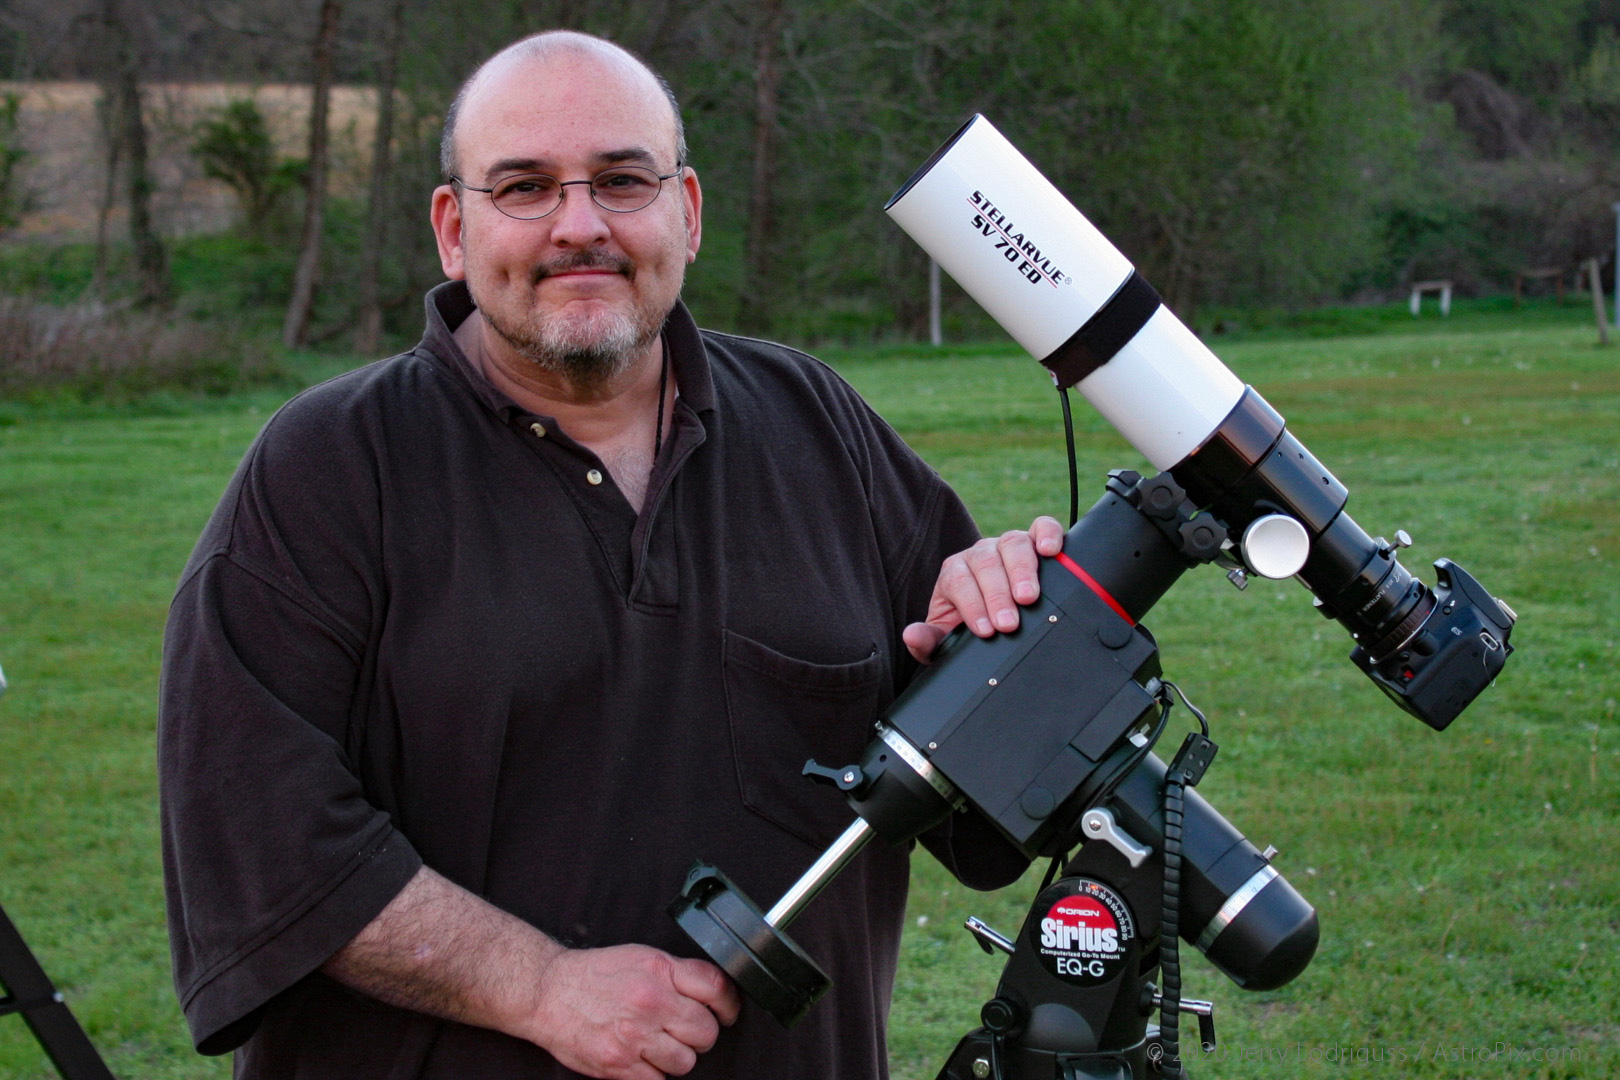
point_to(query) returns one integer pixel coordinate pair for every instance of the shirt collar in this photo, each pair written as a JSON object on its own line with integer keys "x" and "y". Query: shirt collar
{"x": 449, "y": 304}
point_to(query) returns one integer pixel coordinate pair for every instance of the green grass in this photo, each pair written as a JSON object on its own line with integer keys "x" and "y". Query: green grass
{"x": 99, "y": 517}
{"x": 1466, "y": 880}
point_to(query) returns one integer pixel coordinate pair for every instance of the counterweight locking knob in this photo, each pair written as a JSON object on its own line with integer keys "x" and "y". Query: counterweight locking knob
{"x": 847, "y": 778}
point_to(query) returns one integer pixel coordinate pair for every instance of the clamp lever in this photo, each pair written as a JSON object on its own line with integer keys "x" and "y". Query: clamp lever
{"x": 1204, "y": 1010}
{"x": 848, "y": 778}
{"x": 1099, "y": 824}
{"x": 987, "y": 938}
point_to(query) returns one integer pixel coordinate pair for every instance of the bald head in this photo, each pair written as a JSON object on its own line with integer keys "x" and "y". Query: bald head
{"x": 539, "y": 49}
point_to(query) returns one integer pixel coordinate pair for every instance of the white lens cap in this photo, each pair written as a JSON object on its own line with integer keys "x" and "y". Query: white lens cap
{"x": 1276, "y": 546}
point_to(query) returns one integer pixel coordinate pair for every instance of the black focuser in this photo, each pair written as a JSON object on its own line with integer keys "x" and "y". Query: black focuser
{"x": 1431, "y": 650}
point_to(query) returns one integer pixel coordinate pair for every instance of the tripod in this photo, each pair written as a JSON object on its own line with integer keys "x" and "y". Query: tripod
{"x": 29, "y": 991}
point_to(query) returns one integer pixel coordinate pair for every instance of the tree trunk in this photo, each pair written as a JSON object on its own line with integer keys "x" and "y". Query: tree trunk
{"x": 151, "y": 260}
{"x": 369, "y": 331}
{"x": 295, "y": 329}
{"x": 754, "y": 306}
{"x": 112, "y": 134}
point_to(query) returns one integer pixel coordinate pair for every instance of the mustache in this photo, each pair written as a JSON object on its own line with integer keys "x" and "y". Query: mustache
{"x": 585, "y": 260}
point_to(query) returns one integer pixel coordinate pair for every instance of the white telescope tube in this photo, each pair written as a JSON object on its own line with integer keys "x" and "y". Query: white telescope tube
{"x": 1042, "y": 271}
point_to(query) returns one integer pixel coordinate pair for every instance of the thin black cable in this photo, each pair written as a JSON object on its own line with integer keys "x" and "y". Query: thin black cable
{"x": 1074, "y": 471}
{"x": 1203, "y": 722}
{"x": 1175, "y": 782}
{"x": 663, "y": 384}
{"x": 1106, "y": 788}
{"x": 1170, "y": 929}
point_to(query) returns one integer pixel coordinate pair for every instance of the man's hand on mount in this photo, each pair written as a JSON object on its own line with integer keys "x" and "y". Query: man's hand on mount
{"x": 984, "y": 586}
{"x": 630, "y": 1012}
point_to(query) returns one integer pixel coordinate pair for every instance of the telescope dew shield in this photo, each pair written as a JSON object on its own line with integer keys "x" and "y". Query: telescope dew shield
{"x": 1064, "y": 292}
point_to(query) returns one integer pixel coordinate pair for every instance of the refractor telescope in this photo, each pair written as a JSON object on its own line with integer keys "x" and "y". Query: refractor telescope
{"x": 1048, "y": 732}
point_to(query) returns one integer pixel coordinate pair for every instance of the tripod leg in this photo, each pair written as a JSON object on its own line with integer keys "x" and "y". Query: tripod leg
{"x": 30, "y": 991}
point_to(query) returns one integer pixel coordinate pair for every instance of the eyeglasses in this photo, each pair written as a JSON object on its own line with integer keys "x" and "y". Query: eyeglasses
{"x": 623, "y": 189}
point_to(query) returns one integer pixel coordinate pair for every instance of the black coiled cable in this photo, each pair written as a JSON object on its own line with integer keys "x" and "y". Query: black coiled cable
{"x": 1175, "y": 783}
{"x": 1170, "y": 929}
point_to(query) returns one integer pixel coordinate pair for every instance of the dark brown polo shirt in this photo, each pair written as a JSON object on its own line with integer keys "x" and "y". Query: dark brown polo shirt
{"x": 423, "y": 625}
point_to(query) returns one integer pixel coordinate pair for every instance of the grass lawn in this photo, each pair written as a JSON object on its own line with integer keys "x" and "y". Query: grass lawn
{"x": 1466, "y": 880}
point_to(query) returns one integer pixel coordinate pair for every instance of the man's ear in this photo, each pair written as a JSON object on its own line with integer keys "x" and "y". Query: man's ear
{"x": 446, "y": 215}
{"x": 692, "y": 207}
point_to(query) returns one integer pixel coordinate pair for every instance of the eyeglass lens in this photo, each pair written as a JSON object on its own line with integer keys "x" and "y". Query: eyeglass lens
{"x": 620, "y": 189}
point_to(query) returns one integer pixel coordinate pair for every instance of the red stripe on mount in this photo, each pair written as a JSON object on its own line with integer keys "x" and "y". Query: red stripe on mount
{"x": 1078, "y": 571}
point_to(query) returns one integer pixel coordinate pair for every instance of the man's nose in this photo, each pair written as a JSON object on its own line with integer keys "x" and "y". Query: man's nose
{"x": 578, "y": 222}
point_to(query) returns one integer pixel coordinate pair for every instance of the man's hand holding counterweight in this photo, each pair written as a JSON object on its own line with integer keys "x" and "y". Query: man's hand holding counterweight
{"x": 627, "y": 1012}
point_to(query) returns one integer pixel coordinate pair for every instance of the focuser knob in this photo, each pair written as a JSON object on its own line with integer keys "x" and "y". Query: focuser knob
{"x": 1403, "y": 539}
{"x": 1276, "y": 546}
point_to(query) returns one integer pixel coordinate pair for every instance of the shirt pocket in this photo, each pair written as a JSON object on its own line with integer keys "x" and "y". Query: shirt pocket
{"x": 784, "y": 711}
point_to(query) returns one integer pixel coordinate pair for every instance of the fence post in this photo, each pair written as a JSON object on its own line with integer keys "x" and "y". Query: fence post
{"x": 1617, "y": 263}
{"x": 1597, "y": 300}
{"x": 936, "y": 335}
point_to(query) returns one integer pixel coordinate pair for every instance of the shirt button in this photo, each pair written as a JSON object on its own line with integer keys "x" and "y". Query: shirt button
{"x": 538, "y": 429}
{"x": 594, "y": 476}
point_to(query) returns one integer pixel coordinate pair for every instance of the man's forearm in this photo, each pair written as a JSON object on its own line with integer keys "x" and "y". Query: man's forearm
{"x": 439, "y": 949}
{"x": 625, "y": 1012}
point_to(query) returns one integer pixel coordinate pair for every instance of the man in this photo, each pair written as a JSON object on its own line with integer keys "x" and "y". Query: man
{"x": 487, "y": 642}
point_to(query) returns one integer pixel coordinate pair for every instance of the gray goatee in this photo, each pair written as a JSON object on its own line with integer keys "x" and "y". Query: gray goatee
{"x": 588, "y": 350}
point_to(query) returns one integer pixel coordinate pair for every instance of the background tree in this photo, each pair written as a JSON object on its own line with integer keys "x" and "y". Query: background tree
{"x": 295, "y": 329}
{"x": 1276, "y": 152}
{"x": 754, "y": 300}
{"x": 112, "y": 152}
{"x": 368, "y": 330}
{"x": 13, "y": 198}
{"x": 122, "y": 90}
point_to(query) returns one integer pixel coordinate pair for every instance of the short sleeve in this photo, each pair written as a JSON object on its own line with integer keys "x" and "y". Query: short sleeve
{"x": 274, "y": 858}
